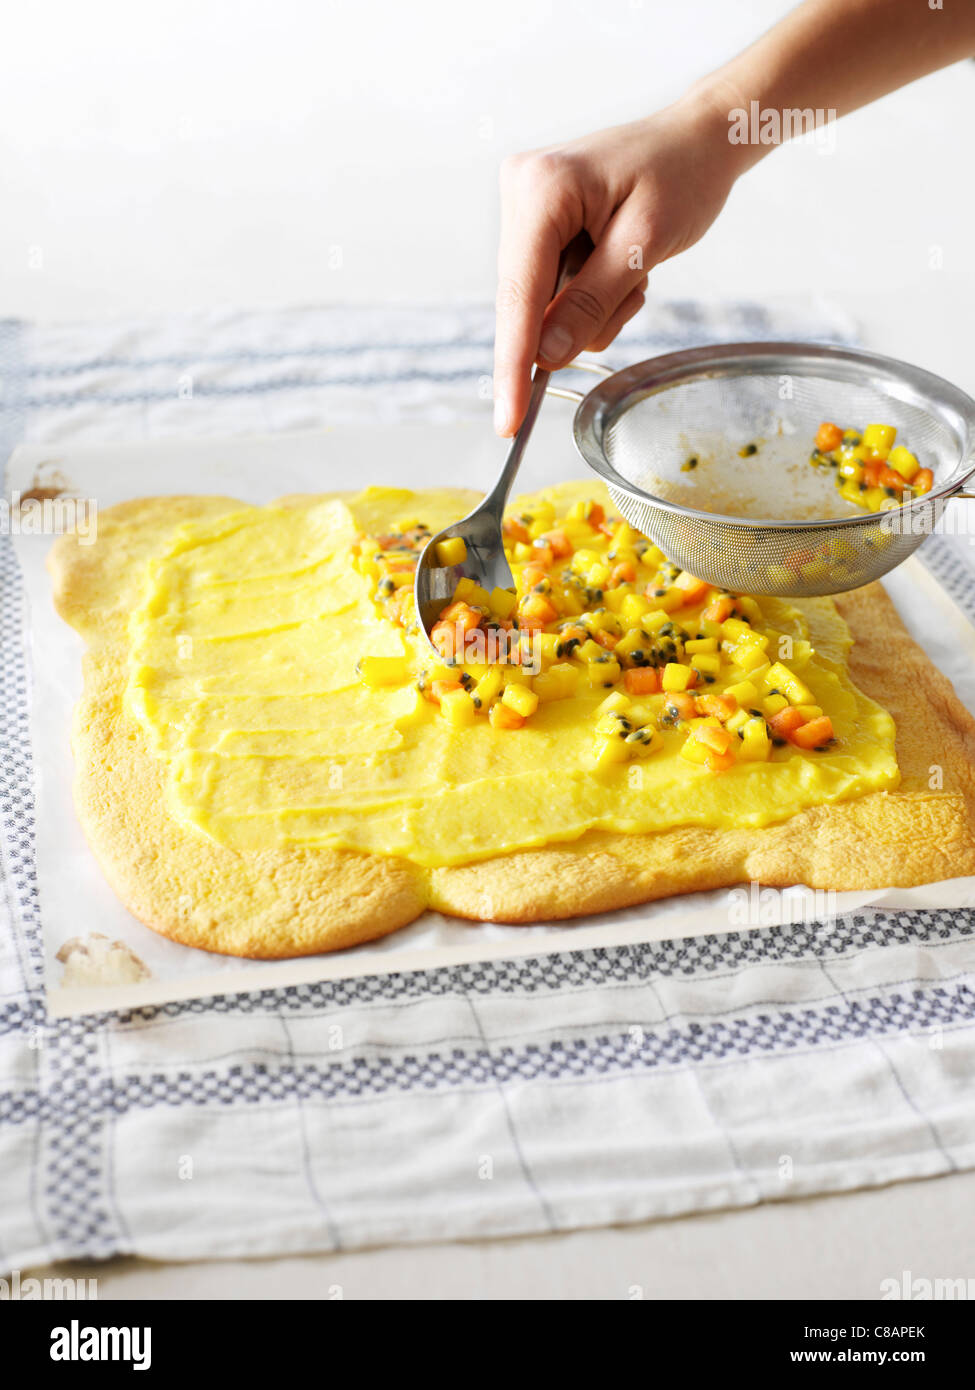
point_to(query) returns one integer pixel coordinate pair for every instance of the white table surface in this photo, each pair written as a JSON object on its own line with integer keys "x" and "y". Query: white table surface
{"x": 827, "y": 1247}
{"x": 282, "y": 168}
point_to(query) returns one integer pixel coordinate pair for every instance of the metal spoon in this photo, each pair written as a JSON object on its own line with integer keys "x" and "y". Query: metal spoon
{"x": 485, "y": 561}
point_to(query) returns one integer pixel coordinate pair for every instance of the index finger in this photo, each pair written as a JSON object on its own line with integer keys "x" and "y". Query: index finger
{"x": 528, "y": 260}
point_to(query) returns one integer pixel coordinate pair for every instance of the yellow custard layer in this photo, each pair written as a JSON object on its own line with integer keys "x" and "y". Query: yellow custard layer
{"x": 242, "y": 672}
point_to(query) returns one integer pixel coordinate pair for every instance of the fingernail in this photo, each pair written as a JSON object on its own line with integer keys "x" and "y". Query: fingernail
{"x": 501, "y": 415}
{"x": 556, "y": 344}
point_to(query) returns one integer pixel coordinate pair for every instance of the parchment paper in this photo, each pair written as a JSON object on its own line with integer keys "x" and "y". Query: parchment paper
{"x": 76, "y": 901}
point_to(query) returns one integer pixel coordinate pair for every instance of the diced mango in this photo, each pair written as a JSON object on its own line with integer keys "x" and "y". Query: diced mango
{"x": 667, "y": 602}
{"x": 744, "y": 692}
{"x": 487, "y": 688}
{"x": 615, "y": 724}
{"x": 588, "y": 651}
{"x": 650, "y": 622}
{"x": 515, "y": 675}
{"x": 879, "y": 438}
{"x": 550, "y": 685}
{"x": 772, "y": 704}
{"x": 779, "y": 677}
{"x": 754, "y": 744}
{"x": 707, "y": 663}
{"x": 604, "y": 673}
{"x": 634, "y": 641}
{"x": 502, "y": 602}
{"x": 694, "y": 751}
{"x": 850, "y": 470}
{"x": 676, "y": 677}
{"x": 452, "y": 551}
{"x": 568, "y": 675}
{"x": 903, "y": 462}
{"x": 458, "y": 708}
{"x": 378, "y": 671}
{"x": 609, "y": 751}
{"x": 612, "y": 704}
{"x": 749, "y": 657}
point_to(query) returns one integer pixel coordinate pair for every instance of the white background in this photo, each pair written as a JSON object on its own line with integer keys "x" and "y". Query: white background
{"x": 204, "y": 153}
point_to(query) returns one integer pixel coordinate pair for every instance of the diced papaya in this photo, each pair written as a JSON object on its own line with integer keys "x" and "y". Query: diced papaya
{"x": 533, "y": 574}
{"x": 642, "y": 680}
{"x": 889, "y": 477}
{"x": 558, "y": 542}
{"x": 623, "y": 573}
{"x": 684, "y": 706}
{"x": 516, "y": 530}
{"x": 719, "y": 609}
{"x": 813, "y": 734}
{"x": 722, "y": 706}
{"x": 693, "y": 589}
{"x": 536, "y": 608}
{"x": 443, "y": 635}
{"x": 720, "y": 762}
{"x": 502, "y": 716}
{"x": 828, "y": 437}
{"x": 438, "y": 689}
{"x": 713, "y": 737}
{"x": 466, "y": 617}
{"x": 785, "y": 723}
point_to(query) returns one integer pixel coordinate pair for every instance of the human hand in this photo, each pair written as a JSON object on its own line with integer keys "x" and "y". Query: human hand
{"x": 643, "y": 191}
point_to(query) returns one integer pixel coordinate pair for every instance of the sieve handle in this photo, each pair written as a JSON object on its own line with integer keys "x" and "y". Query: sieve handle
{"x": 565, "y": 393}
{"x": 965, "y": 496}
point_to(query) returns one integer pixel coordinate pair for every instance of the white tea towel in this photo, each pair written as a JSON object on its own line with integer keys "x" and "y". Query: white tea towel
{"x": 517, "y": 1096}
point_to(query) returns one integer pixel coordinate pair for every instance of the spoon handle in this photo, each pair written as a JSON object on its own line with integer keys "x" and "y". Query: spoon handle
{"x": 570, "y": 263}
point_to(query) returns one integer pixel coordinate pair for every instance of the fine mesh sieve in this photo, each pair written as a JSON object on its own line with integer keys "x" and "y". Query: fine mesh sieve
{"x": 768, "y": 522}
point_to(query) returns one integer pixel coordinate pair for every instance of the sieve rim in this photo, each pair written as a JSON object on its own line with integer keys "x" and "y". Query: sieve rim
{"x": 601, "y": 406}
